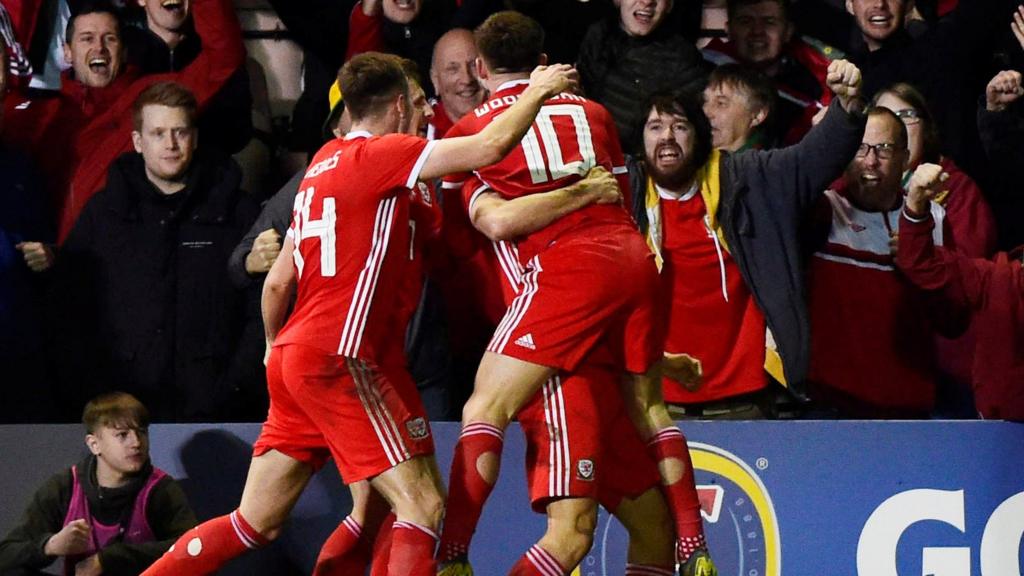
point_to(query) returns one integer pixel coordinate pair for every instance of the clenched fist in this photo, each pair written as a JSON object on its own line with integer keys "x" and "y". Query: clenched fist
{"x": 925, "y": 184}
{"x": 1003, "y": 90}
{"x": 844, "y": 80}
{"x": 38, "y": 256}
{"x": 264, "y": 251}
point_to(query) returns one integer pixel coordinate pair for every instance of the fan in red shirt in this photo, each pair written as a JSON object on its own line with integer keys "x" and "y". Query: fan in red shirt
{"x": 335, "y": 387}
{"x": 574, "y": 297}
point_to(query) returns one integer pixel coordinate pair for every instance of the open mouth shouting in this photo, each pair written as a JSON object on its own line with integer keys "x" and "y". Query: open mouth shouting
{"x": 668, "y": 155}
{"x": 176, "y": 7}
{"x": 644, "y": 16}
{"x": 100, "y": 65}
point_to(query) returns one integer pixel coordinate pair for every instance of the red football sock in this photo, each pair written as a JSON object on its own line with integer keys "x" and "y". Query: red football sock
{"x": 646, "y": 570}
{"x": 207, "y": 547}
{"x": 537, "y": 562}
{"x": 382, "y": 546}
{"x": 412, "y": 550}
{"x": 346, "y": 550}
{"x": 682, "y": 494}
{"x": 467, "y": 490}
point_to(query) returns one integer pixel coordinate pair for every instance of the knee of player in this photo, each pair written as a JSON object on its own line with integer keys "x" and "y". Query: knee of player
{"x": 574, "y": 539}
{"x": 487, "y": 408}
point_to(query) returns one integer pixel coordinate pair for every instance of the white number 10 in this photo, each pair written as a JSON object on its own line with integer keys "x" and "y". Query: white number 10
{"x": 324, "y": 228}
{"x": 555, "y": 162}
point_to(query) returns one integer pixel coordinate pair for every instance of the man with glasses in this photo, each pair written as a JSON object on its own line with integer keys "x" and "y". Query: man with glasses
{"x": 871, "y": 330}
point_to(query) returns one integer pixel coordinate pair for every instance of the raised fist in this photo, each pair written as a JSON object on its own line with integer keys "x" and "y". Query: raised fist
{"x": 1003, "y": 90}
{"x": 844, "y": 80}
{"x": 925, "y": 184}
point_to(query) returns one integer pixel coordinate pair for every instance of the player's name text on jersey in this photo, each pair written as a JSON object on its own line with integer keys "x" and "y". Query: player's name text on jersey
{"x": 497, "y": 103}
{"x": 324, "y": 165}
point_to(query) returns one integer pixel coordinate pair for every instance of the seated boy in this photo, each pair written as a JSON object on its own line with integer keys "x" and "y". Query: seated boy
{"x": 112, "y": 513}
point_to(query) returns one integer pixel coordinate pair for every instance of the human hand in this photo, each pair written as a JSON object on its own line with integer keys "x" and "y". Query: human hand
{"x": 72, "y": 539}
{"x": 372, "y": 8}
{"x": 264, "y": 251}
{"x": 38, "y": 256}
{"x": 1003, "y": 90}
{"x": 89, "y": 567}
{"x": 925, "y": 184}
{"x": 600, "y": 186}
{"x": 554, "y": 79}
{"x": 1017, "y": 26}
{"x": 844, "y": 80}
{"x": 684, "y": 369}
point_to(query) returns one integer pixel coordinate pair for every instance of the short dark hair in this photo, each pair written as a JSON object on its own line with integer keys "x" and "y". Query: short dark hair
{"x": 732, "y": 5}
{"x": 92, "y": 7}
{"x": 510, "y": 42}
{"x": 930, "y": 138}
{"x": 901, "y": 130}
{"x": 114, "y": 409}
{"x": 688, "y": 105}
{"x": 170, "y": 94}
{"x": 411, "y": 69}
{"x": 370, "y": 80}
{"x": 757, "y": 86}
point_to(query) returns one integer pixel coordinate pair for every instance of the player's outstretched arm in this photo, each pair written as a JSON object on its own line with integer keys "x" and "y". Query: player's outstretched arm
{"x": 467, "y": 153}
{"x": 277, "y": 292}
{"x": 501, "y": 219}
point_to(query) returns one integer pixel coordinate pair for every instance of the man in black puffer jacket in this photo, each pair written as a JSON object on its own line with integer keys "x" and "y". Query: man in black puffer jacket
{"x": 142, "y": 285}
{"x": 626, "y": 58}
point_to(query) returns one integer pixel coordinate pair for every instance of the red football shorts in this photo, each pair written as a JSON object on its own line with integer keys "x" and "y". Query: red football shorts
{"x": 580, "y": 291}
{"x": 580, "y": 443}
{"x": 324, "y": 405}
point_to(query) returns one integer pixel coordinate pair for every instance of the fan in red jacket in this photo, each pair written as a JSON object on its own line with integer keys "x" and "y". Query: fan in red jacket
{"x": 74, "y": 135}
{"x": 991, "y": 290}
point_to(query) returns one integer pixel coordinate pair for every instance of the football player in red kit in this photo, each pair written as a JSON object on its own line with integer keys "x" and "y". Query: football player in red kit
{"x": 336, "y": 374}
{"x": 588, "y": 279}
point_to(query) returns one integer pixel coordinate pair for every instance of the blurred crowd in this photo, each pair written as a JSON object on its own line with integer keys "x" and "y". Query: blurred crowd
{"x": 137, "y": 225}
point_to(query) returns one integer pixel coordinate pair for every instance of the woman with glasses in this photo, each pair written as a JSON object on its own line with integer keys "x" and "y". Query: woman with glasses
{"x": 968, "y": 214}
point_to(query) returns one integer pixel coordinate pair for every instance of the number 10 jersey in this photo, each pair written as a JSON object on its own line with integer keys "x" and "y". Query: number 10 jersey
{"x": 570, "y": 136}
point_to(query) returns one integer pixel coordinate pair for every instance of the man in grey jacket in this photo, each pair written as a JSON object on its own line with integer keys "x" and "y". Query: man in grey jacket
{"x": 753, "y": 206}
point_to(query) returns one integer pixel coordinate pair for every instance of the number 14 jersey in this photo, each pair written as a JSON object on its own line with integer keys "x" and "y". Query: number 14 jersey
{"x": 353, "y": 246}
{"x": 570, "y": 136}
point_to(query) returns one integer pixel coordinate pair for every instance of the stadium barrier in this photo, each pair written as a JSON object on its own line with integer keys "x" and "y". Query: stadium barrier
{"x": 779, "y": 498}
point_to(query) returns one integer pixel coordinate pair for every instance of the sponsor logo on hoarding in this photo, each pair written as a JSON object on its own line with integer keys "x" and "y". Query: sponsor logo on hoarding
{"x": 1000, "y": 541}
{"x": 738, "y": 513}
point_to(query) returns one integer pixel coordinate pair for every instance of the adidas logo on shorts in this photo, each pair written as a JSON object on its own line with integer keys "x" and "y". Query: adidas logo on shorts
{"x": 526, "y": 341}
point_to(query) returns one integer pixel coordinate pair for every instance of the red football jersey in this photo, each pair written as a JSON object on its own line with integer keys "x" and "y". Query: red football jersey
{"x": 569, "y": 136}
{"x": 354, "y": 244}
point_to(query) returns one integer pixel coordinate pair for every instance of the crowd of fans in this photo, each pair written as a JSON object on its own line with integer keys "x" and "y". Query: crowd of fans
{"x": 131, "y": 257}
